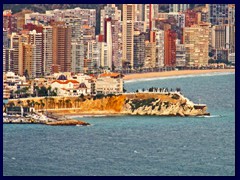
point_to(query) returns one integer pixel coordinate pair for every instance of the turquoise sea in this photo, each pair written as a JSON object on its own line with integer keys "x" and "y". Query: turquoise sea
{"x": 134, "y": 145}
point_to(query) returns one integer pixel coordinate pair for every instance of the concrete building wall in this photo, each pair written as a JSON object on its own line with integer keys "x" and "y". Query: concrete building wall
{"x": 196, "y": 40}
{"x": 62, "y": 47}
{"x": 159, "y": 48}
{"x": 170, "y": 48}
{"x": 150, "y": 55}
{"x": 139, "y": 49}
{"x": 109, "y": 11}
{"x": 47, "y": 49}
{"x": 128, "y": 32}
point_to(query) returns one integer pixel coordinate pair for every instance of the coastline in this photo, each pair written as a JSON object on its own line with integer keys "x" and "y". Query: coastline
{"x": 174, "y": 73}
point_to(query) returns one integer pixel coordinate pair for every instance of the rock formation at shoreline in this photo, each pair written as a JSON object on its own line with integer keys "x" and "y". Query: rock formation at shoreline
{"x": 162, "y": 104}
{"x": 68, "y": 123}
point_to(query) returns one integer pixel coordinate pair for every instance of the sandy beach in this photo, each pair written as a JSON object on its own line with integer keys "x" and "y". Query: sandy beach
{"x": 174, "y": 73}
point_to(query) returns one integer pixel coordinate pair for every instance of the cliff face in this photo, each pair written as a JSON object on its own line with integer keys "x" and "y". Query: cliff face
{"x": 168, "y": 104}
{"x": 164, "y": 105}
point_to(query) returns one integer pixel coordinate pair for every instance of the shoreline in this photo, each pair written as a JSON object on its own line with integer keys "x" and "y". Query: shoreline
{"x": 174, "y": 73}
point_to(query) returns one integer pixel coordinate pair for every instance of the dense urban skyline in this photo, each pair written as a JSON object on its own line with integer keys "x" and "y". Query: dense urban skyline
{"x": 135, "y": 38}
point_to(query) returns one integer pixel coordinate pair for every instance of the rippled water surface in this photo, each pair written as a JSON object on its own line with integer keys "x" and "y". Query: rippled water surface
{"x": 134, "y": 145}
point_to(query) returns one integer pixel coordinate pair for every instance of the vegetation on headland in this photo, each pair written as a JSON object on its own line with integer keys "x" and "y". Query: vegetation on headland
{"x": 145, "y": 103}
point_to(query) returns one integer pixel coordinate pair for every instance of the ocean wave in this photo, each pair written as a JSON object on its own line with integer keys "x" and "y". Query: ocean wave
{"x": 180, "y": 76}
{"x": 211, "y": 116}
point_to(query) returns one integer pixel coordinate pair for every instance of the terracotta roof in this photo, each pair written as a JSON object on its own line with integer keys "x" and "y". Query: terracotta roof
{"x": 65, "y": 82}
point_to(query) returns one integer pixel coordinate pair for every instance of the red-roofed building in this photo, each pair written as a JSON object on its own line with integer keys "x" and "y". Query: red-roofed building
{"x": 65, "y": 87}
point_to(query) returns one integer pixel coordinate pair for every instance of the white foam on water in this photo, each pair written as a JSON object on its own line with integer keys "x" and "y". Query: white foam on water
{"x": 211, "y": 116}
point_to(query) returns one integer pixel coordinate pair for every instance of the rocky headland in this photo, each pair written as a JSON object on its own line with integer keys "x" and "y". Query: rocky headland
{"x": 145, "y": 103}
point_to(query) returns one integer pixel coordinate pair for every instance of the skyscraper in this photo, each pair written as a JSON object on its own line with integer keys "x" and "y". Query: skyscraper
{"x": 150, "y": 54}
{"x": 9, "y": 21}
{"x": 109, "y": 11}
{"x": 217, "y": 13}
{"x": 47, "y": 49}
{"x": 231, "y": 14}
{"x": 128, "y": 33}
{"x": 61, "y": 47}
{"x": 196, "y": 41}
{"x": 139, "y": 49}
{"x": 170, "y": 48}
{"x": 29, "y": 55}
{"x": 14, "y": 45}
{"x": 139, "y": 12}
{"x": 159, "y": 38}
{"x": 36, "y": 39}
{"x": 150, "y": 13}
{"x": 77, "y": 64}
{"x": 108, "y": 39}
{"x": 178, "y": 7}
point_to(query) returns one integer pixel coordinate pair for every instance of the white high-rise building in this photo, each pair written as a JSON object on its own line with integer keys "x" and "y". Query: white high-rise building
{"x": 180, "y": 54}
{"x": 153, "y": 8}
{"x": 139, "y": 12}
{"x": 109, "y": 41}
{"x": 109, "y": 11}
{"x": 103, "y": 54}
{"x": 77, "y": 65}
{"x": 178, "y": 7}
{"x": 37, "y": 40}
{"x": 159, "y": 38}
{"x": 93, "y": 53}
{"x": 128, "y": 33}
{"x": 47, "y": 50}
{"x": 4, "y": 59}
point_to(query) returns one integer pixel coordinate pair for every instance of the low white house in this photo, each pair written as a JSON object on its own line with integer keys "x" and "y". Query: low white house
{"x": 109, "y": 83}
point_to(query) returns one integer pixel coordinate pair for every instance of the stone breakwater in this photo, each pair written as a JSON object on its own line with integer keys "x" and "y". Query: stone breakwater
{"x": 146, "y": 103}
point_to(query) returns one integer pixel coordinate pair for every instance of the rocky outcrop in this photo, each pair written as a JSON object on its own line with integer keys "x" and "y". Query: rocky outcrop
{"x": 172, "y": 104}
{"x": 161, "y": 104}
{"x": 68, "y": 123}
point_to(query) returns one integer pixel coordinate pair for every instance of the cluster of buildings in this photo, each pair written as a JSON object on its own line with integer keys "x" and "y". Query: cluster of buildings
{"x": 64, "y": 84}
{"x": 138, "y": 36}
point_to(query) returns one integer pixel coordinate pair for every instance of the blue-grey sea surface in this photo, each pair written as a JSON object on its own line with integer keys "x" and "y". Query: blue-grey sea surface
{"x": 134, "y": 145}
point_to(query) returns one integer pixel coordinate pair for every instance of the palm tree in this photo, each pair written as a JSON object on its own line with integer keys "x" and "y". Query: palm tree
{"x": 52, "y": 102}
{"x": 38, "y": 104}
{"x": 46, "y": 101}
{"x": 41, "y": 103}
{"x": 28, "y": 103}
{"x": 19, "y": 102}
{"x": 63, "y": 102}
{"x": 60, "y": 103}
{"x": 67, "y": 102}
{"x": 33, "y": 103}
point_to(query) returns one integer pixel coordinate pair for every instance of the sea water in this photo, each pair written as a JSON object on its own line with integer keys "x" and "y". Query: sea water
{"x": 134, "y": 145}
